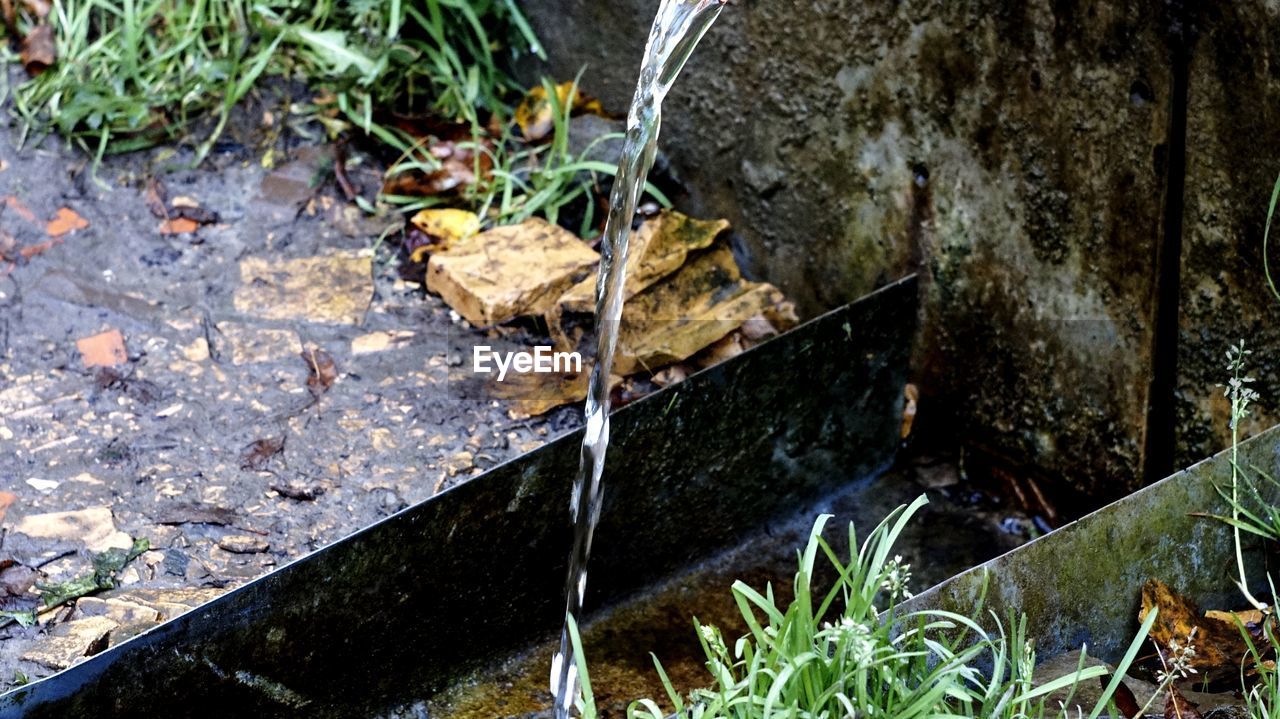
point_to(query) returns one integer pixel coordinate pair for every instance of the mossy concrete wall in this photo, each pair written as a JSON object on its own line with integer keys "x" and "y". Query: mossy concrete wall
{"x": 1233, "y": 157}
{"x": 1015, "y": 152}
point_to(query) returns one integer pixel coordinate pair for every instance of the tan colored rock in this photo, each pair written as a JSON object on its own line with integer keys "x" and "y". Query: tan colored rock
{"x": 508, "y": 272}
{"x": 333, "y": 288}
{"x": 380, "y": 341}
{"x": 243, "y": 544}
{"x": 71, "y": 642}
{"x": 170, "y": 603}
{"x": 658, "y": 248}
{"x": 94, "y": 526}
{"x": 249, "y": 344}
{"x": 120, "y": 611}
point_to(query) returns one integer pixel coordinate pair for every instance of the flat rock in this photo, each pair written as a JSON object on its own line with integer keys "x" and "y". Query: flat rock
{"x": 334, "y": 288}
{"x": 95, "y": 527}
{"x": 692, "y": 309}
{"x": 243, "y": 544}
{"x": 68, "y": 643}
{"x": 120, "y": 611}
{"x": 248, "y": 344}
{"x": 658, "y": 248}
{"x": 511, "y": 271}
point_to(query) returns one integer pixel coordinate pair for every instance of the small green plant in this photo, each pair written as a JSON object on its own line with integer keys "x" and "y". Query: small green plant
{"x": 850, "y": 652}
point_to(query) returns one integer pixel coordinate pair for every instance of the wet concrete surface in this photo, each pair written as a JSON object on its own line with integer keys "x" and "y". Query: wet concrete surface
{"x": 172, "y": 441}
{"x": 962, "y": 526}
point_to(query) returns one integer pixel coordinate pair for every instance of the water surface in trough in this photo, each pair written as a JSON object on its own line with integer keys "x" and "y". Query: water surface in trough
{"x": 964, "y": 525}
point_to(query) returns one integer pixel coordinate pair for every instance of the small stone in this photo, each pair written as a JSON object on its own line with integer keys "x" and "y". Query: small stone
{"x": 197, "y": 351}
{"x": 94, "y": 526}
{"x": 71, "y": 642}
{"x": 243, "y": 544}
{"x": 380, "y": 341}
{"x": 44, "y": 486}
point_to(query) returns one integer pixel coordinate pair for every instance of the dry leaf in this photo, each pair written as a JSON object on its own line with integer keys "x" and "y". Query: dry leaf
{"x": 1125, "y": 701}
{"x": 693, "y": 308}
{"x": 6, "y": 500}
{"x": 38, "y": 50}
{"x": 66, "y": 220}
{"x": 458, "y": 163}
{"x": 154, "y": 197}
{"x": 910, "y": 396}
{"x": 178, "y": 226}
{"x": 536, "y": 113}
{"x": 13, "y": 204}
{"x": 105, "y": 349}
{"x": 257, "y": 455}
{"x": 323, "y": 370}
{"x": 1219, "y": 646}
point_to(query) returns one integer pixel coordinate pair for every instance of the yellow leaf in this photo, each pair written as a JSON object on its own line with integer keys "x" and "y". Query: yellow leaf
{"x": 536, "y": 115}
{"x": 446, "y": 227}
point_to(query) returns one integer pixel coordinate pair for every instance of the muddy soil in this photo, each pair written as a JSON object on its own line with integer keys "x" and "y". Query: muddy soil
{"x": 208, "y": 441}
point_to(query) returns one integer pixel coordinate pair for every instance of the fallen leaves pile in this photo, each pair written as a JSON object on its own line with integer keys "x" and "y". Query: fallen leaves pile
{"x": 1203, "y": 656}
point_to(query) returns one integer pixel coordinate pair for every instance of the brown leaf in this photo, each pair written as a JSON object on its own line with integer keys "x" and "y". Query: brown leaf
{"x": 257, "y": 455}
{"x": 15, "y": 205}
{"x": 1177, "y": 707}
{"x": 6, "y": 500}
{"x": 38, "y": 50}
{"x": 323, "y": 370}
{"x": 66, "y": 220}
{"x": 1124, "y": 699}
{"x": 457, "y": 162}
{"x": 154, "y": 196}
{"x": 178, "y": 226}
{"x": 1218, "y": 645}
{"x": 706, "y": 300}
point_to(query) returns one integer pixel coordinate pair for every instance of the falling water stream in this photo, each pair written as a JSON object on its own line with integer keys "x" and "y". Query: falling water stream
{"x": 679, "y": 26}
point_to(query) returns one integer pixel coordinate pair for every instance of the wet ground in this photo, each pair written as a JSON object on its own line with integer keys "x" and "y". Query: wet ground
{"x": 208, "y": 440}
{"x": 962, "y": 526}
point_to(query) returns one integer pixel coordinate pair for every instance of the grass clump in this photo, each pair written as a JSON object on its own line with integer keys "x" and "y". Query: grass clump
{"x": 851, "y": 652}
{"x": 426, "y": 79}
{"x": 134, "y": 73}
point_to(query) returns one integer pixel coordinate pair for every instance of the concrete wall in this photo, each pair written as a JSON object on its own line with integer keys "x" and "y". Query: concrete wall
{"x": 1018, "y": 154}
{"x": 1233, "y": 157}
